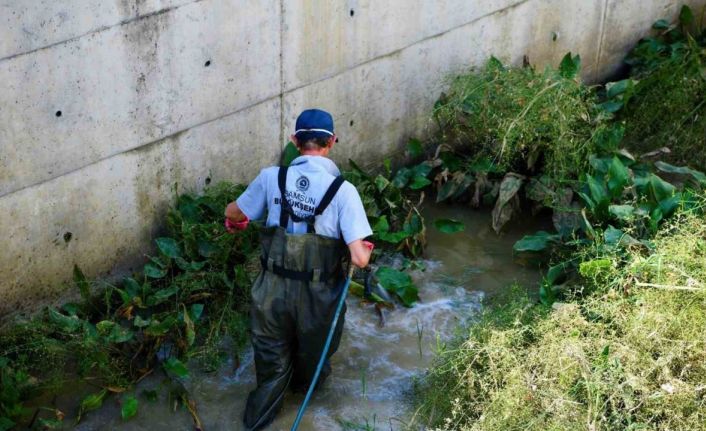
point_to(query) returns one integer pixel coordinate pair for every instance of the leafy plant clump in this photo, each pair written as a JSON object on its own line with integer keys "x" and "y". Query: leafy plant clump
{"x": 628, "y": 356}
{"x": 188, "y": 299}
{"x": 668, "y": 104}
{"x": 187, "y": 306}
{"x": 523, "y": 120}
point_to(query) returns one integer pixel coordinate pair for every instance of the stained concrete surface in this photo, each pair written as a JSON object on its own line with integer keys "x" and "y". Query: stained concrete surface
{"x": 105, "y": 105}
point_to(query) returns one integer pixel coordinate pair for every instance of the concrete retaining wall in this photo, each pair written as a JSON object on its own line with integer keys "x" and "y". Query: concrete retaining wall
{"x": 106, "y": 104}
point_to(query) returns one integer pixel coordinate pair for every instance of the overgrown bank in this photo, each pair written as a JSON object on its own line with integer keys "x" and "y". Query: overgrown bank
{"x": 630, "y": 355}
{"x": 617, "y": 338}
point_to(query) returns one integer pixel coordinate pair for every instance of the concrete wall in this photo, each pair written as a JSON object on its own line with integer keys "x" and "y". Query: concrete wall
{"x": 105, "y": 105}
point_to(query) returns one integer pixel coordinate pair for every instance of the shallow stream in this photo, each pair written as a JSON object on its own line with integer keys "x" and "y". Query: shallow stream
{"x": 374, "y": 366}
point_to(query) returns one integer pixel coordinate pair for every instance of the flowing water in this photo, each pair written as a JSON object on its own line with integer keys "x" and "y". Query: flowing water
{"x": 374, "y": 367}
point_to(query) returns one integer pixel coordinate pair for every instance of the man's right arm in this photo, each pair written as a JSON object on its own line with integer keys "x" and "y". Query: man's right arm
{"x": 251, "y": 204}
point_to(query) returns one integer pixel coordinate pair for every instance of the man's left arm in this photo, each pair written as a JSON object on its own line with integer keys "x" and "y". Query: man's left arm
{"x": 354, "y": 225}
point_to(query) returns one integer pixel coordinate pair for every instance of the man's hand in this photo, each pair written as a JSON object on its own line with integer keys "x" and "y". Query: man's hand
{"x": 234, "y": 227}
{"x": 235, "y": 219}
{"x": 360, "y": 252}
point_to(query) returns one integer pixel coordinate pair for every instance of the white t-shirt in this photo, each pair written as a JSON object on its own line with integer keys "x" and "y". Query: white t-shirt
{"x": 308, "y": 178}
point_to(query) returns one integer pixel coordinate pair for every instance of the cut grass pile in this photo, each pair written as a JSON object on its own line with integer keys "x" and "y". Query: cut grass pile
{"x": 615, "y": 359}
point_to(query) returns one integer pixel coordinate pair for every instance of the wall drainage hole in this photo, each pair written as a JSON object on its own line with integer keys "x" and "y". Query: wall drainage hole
{"x": 67, "y": 237}
{"x": 351, "y": 123}
{"x": 58, "y": 113}
{"x": 352, "y": 12}
{"x": 207, "y": 63}
{"x": 208, "y": 180}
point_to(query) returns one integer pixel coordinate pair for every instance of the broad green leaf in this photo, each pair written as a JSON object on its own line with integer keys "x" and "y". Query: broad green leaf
{"x": 661, "y": 189}
{"x": 618, "y": 177}
{"x": 615, "y": 237}
{"x": 415, "y": 148}
{"x": 65, "y": 323}
{"x": 82, "y": 283}
{"x": 157, "y": 328}
{"x": 537, "y": 242}
{"x": 381, "y": 225}
{"x": 129, "y": 407}
{"x": 419, "y": 182}
{"x": 153, "y": 271}
{"x": 72, "y": 308}
{"x": 140, "y": 322}
{"x": 686, "y": 16}
{"x": 614, "y": 89}
{"x": 393, "y": 237}
{"x": 599, "y": 194}
{"x": 132, "y": 287}
{"x": 169, "y": 247}
{"x": 105, "y": 326}
{"x": 357, "y": 169}
{"x": 402, "y": 177}
{"x": 557, "y": 273}
{"x": 611, "y": 106}
{"x": 600, "y": 164}
{"x": 422, "y": 170}
{"x": 162, "y": 295}
{"x": 570, "y": 66}
{"x": 446, "y": 191}
{"x": 289, "y": 153}
{"x": 667, "y": 206}
{"x": 414, "y": 224}
{"x": 196, "y": 311}
{"x": 189, "y": 266}
{"x": 661, "y": 24}
{"x": 176, "y": 367}
{"x": 206, "y": 248}
{"x": 546, "y": 294}
{"x": 92, "y": 402}
{"x": 118, "y": 335}
{"x": 588, "y": 201}
{"x": 622, "y": 212}
{"x": 449, "y": 225}
{"x": 683, "y": 170}
{"x": 381, "y": 183}
{"x": 399, "y": 283}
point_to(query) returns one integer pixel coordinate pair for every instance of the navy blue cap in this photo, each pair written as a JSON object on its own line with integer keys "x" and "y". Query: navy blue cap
{"x": 313, "y": 123}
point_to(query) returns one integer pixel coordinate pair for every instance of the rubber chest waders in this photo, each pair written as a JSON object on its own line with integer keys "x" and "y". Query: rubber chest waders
{"x": 293, "y": 303}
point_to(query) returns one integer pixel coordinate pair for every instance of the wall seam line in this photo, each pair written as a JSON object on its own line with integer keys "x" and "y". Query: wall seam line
{"x": 98, "y": 30}
{"x": 280, "y": 95}
{"x": 403, "y": 48}
{"x": 599, "y": 54}
{"x": 281, "y": 73}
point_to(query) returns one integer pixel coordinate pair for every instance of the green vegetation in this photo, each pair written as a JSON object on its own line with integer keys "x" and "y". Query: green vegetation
{"x": 616, "y": 339}
{"x": 189, "y": 299}
{"x": 668, "y": 104}
{"x": 627, "y": 356}
{"x": 188, "y": 306}
{"x": 522, "y": 120}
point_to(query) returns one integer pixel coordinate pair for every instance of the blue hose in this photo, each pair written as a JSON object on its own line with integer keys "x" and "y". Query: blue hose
{"x": 322, "y": 360}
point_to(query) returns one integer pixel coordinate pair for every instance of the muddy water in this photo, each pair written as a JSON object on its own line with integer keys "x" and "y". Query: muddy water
{"x": 374, "y": 366}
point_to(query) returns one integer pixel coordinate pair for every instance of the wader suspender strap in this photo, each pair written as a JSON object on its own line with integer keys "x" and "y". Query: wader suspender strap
{"x": 286, "y": 212}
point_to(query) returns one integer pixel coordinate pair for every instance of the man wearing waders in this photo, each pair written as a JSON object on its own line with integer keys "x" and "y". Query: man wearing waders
{"x": 315, "y": 222}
